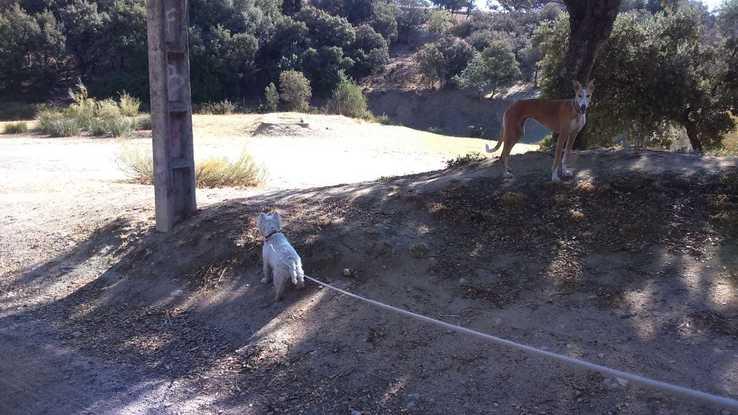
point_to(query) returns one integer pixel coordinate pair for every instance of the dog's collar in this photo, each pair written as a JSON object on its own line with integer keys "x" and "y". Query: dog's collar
{"x": 272, "y": 234}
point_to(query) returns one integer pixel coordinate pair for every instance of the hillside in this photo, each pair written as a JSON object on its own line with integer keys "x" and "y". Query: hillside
{"x": 633, "y": 266}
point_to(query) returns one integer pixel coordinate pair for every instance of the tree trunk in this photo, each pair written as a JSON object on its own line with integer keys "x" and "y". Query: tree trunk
{"x": 694, "y": 136}
{"x": 590, "y": 23}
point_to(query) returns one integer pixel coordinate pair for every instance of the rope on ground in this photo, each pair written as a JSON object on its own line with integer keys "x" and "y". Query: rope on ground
{"x": 719, "y": 401}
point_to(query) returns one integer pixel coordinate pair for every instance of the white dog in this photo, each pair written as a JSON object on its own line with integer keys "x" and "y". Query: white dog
{"x": 281, "y": 261}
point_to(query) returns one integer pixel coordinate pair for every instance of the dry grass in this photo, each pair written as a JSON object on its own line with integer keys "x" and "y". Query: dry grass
{"x": 137, "y": 164}
{"x": 15, "y": 128}
{"x": 465, "y": 160}
{"x": 220, "y": 172}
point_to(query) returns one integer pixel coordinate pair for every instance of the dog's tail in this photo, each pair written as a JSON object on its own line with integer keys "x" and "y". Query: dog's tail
{"x": 499, "y": 142}
{"x": 496, "y": 147}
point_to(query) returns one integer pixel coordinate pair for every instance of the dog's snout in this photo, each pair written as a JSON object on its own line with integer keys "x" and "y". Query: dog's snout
{"x": 583, "y": 108}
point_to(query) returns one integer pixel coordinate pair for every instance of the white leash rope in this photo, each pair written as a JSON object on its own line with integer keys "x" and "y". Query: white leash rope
{"x": 656, "y": 384}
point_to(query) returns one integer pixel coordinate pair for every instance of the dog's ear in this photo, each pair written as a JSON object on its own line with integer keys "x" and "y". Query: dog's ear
{"x": 577, "y": 86}
{"x": 591, "y": 86}
{"x": 278, "y": 219}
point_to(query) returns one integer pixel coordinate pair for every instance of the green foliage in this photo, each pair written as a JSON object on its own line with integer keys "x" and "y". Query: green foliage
{"x": 465, "y": 160}
{"x": 271, "y": 97}
{"x": 546, "y": 144}
{"x": 16, "y": 128}
{"x": 129, "y": 106}
{"x": 326, "y": 67}
{"x": 143, "y": 122}
{"x": 411, "y": 16}
{"x": 383, "y": 20}
{"x": 657, "y": 70}
{"x": 491, "y": 70}
{"x": 14, "y": 110}
{"x": 32, "y": 58}
{"x": 453, "y": 4}
{"x": 369, "y": 53}
{"x": 440, "y": 21}
{"x": 223, "y": 107}
{"x": 109, "y": 120}
{"x": 294, "y": 91}
{"x": 99, "y": 118}
{"x": 348, "y": 100}
{"x": 444, "y": 59}
{"x": 55, "y": 124}
{"x": 83, "y": 109}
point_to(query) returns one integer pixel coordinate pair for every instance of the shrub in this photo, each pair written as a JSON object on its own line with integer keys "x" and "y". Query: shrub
{"x": 465, "y": 160}
{"x": 16, "y": 128}
{"x": 491, "y": 70}
{"x": 83, "y": 109}
{"x": 294, "y": 90}
{"x": 143, "y": 122}
{"x": 546, "y": 144}
{"x": 56, "y": 124}
{"x": 220, "y": 172}
{"x": 10, "y": 111}
{"x": 384, "y": 20}
{"x": 349, "y": 100}
{"x": 444, "y": 59}
{"x": 411, "y": 15}
{"x": 224, "y": 107}
{"x": 137, "y": 163}
{"x": 271, "y": 97}
{"x": 108, "y": 120}
{"x": 129, "y": 106}
{"x": 440, "y": 21}
{"x": 633, "y": 90}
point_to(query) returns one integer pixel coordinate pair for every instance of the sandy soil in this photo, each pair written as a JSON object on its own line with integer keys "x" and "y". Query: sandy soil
{"x": 633, "y": 265}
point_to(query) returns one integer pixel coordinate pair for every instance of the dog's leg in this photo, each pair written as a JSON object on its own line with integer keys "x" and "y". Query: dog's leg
{"x": 567, "y": 156}
{"x": 280, "y": 281}
{"x": 267, "y": 278}
{"x": 563, "y": 137}
{"x": 510, "y": 137}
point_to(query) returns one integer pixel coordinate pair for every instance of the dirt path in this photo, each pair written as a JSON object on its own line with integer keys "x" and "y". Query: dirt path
{"x": 631, "y": 267}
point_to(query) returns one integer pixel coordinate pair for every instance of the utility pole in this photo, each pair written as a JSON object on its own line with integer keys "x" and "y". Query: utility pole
{"x": 171, "y": 112}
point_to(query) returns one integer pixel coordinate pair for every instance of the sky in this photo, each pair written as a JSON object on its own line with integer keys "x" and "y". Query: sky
{"x": 711, "y": 4}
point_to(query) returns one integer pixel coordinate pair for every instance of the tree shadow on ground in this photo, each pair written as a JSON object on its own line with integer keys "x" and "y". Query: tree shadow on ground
{"x": 613, "y": 269}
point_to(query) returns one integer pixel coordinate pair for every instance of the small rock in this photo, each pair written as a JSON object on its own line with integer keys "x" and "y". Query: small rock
{"x": 347, "y": 272}
{"x": 463, "y": 281}
{"x": 419, "y": 250}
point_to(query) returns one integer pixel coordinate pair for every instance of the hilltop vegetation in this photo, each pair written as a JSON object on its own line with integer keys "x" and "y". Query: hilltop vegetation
{"x": 239, "y": 48}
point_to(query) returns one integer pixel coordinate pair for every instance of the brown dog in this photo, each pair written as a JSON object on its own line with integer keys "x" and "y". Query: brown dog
{"x": 563, "y": 116}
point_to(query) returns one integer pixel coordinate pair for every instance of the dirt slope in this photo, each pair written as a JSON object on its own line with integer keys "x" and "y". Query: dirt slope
{"x": 634, "y": 266}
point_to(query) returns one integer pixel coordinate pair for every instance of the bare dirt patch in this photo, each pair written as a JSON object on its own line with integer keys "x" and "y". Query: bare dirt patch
{"x": 630, "y": 267}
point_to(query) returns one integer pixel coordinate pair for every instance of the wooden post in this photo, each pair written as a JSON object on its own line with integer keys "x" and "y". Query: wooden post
{"x": 171, "y": 112}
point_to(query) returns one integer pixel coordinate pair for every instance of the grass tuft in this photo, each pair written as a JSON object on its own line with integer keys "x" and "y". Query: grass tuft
{"x": 16, "y": 128}
{"x": 465, "y": 160}
{"x": 137, "y": 163}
